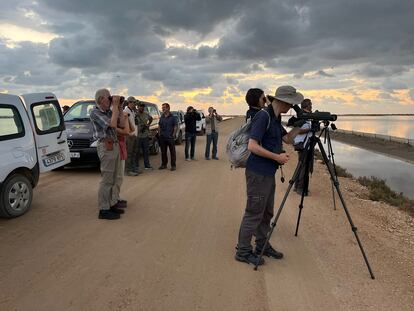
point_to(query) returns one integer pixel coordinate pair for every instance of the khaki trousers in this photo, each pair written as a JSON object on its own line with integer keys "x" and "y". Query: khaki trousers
{"x": 111, "y": 176}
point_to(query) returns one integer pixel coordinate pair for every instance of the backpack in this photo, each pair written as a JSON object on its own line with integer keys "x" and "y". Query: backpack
{"x": 236, "y": 148}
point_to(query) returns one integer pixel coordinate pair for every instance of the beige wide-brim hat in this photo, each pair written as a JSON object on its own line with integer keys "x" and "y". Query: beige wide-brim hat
{"x": 287, "y": 94}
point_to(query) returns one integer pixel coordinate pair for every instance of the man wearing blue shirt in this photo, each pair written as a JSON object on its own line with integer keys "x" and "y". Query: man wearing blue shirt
{"x": 167, "y": 128}
{"x": 265, "y": 145}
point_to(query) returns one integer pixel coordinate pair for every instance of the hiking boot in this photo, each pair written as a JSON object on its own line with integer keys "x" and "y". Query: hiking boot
{"x": 121, "y": 204}
{"x": 116, "y": 210}
{"x": 173, "y": 168}
{"x": 118, "y": 205}
{"x": 249, "y": 258}
{"x": 269, "y": 252}
{"x": 108, "y": 214}
{"x": 162, "y": 167}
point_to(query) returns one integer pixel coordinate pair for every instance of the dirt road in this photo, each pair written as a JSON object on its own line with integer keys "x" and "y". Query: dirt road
{"x": 174, "y": 247}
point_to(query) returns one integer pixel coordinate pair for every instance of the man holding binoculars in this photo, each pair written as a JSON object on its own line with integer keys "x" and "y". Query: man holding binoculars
{"x": 212, "y": 121}
{"x": 105, "y": 123}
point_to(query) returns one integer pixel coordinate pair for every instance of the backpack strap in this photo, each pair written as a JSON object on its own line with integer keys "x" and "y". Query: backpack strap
{"x": 255, "y": 116}
{"x": 268, "y": 123}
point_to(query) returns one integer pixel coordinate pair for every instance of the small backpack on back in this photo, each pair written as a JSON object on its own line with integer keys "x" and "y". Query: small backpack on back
{"x": 237, "y": 143}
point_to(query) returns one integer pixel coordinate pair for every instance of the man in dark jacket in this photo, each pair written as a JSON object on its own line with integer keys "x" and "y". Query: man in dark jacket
{"x": 167, "y": 128}
{"x": 190, "y": 119}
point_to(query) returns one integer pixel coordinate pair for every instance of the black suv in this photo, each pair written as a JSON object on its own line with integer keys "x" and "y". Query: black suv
{"x": 82, "y": 146}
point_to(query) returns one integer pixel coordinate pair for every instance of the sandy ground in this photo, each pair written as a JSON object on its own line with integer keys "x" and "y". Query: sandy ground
{"x": 174, "y": 247}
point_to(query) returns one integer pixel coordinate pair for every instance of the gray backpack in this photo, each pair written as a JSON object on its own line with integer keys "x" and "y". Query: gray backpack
{"x": 237, "y": 144}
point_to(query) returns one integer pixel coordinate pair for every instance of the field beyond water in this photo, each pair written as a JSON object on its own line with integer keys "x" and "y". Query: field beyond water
{"x": 173, "y": 248}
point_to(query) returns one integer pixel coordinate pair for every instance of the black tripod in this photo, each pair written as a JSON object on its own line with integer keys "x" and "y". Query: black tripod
{"x": 327, "y": 139}
{"x": 304, "y": 163}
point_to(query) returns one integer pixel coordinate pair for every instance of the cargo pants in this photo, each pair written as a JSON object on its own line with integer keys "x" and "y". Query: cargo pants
{"x": 259, "y": 211}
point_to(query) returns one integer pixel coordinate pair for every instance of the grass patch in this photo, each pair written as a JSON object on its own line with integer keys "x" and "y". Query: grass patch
{"x": 342, "y": 172}
{"x": 379, "y": 191}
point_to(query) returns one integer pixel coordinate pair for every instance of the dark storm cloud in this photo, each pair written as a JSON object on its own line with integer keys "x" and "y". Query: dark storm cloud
{"x": 200, "y": 16}
{"x": 80, "y": 51}
{"x": 130, "y": 38}
{"x": 374, "y": 71}
{"x": 322, "y": 73}
{"x": 324, "y": 32}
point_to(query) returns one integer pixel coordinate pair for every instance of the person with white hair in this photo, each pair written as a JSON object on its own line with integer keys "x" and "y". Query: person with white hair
{"x": 104, "y": 123}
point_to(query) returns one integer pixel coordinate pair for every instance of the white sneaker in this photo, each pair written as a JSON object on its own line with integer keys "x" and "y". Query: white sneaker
{"x": 188, "y": 159}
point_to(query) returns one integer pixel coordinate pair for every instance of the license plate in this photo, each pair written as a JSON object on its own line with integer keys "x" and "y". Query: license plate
{"x": 74, "y": 155}
{"x": 53, "y": 159}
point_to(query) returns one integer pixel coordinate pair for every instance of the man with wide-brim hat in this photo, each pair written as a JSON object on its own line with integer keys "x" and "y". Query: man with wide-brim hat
{"x": 287, "y": 94}
{"x": 265, "y": 145}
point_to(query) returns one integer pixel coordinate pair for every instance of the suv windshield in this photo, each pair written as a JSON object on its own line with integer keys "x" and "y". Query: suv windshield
{"x": 80, "y": 111}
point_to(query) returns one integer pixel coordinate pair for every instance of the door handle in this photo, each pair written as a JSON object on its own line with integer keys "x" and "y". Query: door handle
{"x": 61, "y": 142}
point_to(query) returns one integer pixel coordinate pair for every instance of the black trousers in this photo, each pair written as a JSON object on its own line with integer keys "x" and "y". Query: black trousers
{"x": 190, "y": 140}
{"x": 170, "y": 144}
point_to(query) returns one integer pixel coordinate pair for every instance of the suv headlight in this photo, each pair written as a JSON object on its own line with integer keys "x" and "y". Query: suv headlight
{"x": 94, "y": 144}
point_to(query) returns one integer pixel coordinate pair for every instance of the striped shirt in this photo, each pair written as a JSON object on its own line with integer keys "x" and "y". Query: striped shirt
{"x": 100, "y": 123}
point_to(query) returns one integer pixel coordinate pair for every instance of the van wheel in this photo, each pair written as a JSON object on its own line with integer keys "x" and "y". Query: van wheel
{"x": 179, "y": 140}
{"x": 16, "y": 196}
{"x": 155, "y": 148}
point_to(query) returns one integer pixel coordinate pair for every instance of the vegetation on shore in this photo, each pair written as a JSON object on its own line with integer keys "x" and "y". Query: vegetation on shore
{"x": 378, "y": 189}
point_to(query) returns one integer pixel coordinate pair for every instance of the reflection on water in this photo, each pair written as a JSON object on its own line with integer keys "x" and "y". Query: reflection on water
{"x": 399, "y": 175}
{"x": 399, "y": 126}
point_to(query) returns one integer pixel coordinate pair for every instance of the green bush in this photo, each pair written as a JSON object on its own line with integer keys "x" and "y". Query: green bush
{"x": 342, "y": 172}
{"x": 379, "y": 191}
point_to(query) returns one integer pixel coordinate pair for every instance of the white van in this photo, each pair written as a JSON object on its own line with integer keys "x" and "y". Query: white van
{"x": 32, "y": 141}
{"x": 201, "y": 124}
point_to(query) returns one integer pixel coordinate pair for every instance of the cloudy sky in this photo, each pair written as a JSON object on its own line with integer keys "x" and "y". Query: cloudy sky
{"x": 348, "y": 56}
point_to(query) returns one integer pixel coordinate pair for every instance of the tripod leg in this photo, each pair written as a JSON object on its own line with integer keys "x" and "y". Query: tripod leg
{"x": 300, "y": 212}
{"x": 333, "y": 195}
{"x": 348, "y": 215}
{"x": 279, "y": 211}
{"x": 304, "y": 189}
{"x": 308, "y": 157}
{"x": 331, "y": 156}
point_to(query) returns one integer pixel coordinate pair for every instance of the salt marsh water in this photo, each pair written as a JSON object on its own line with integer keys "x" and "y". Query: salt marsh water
{"x": 398, "y": 126}
{"x": 399, "y": 175}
